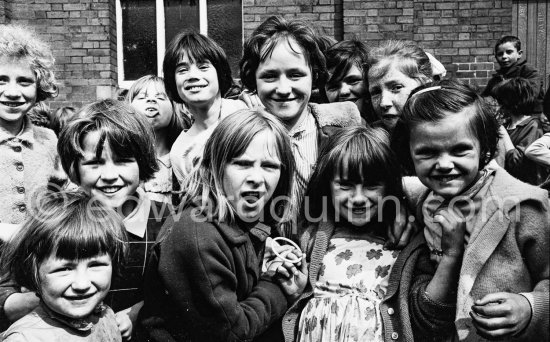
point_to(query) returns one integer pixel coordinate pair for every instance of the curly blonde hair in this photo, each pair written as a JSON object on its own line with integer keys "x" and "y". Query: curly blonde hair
{"x": 21, "y": 42}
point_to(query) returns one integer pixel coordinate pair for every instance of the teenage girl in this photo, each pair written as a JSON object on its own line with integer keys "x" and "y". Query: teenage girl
{"x": 28, "y": 152}
{"x": 448, "y": 135}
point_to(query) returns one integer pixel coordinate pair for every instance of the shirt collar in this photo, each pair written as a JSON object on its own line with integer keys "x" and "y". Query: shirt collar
{"x": 80, "y": 324}
{"x": 26, "y": 135}
{"x": 307, "y": 125}
{"x": 136, "y": 222}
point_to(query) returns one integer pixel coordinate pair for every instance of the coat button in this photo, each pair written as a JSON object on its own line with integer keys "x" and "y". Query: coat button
{"x": 390, "y": 311}
{"x": 22, "y": 208}
{"x": 19, "y": 167}
{"x": 17, "y": 148}
{"x": 20, "y": 189}
{"x": 394, "y": 336}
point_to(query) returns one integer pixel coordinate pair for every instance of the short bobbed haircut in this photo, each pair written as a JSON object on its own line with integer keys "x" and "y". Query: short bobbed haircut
{"x": 516, "y": 94}
{"x": 229, "y": 140}
{"x": 64, "y": 225}
{"x": 508, "y": 39}
{"x": 128, "y": 134}
{"x": 175, "y": 126}
{"x": 407, "y": 56}
{"x": 361, "y": 155}
{"x": 446, "y": 97}
{"x": 340, "y": 57}
{"x": 198, "y": 48}
{"x": 21, "y": 43}
{"x": 274, "y": 30}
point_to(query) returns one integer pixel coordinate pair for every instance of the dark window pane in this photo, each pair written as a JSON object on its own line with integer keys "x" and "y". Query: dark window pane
{"x": 180, "y": 15}
{"x": 225, "y": 27}
{"x": 139, "y": 38}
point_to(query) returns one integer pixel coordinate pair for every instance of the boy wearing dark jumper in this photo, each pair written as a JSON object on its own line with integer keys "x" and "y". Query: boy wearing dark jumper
{"x": 508, "y": 53}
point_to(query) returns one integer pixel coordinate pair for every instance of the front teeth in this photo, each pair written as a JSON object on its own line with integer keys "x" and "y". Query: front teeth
{"x": 110, "y": 190}
{"x": 195, "y": 88}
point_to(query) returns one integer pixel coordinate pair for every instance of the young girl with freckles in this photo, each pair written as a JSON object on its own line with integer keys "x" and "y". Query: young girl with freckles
{"x": 448, "y": 135}
{"x": 197, "y": 73}
{"x": 205, "y": 279}
{"x": 66, "y": 253}
{"x": 148, "y": 97}
{"x": 358, "y": 290}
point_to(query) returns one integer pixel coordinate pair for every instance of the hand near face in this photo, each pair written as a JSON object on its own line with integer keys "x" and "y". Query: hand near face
{"x": 453, "y": 226}
{"x": 499, "y": 315}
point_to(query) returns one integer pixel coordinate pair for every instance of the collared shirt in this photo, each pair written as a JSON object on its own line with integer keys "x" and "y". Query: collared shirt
{"x": 27, "y": 162}
{"x": 303, "y": 139}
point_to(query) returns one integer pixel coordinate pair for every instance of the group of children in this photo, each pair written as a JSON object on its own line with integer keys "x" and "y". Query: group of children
{"x": 348, "y": 182}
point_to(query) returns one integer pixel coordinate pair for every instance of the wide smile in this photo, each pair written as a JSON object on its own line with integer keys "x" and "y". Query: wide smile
{"x": 195, "y": 87}
{"x": 12, "y": 104}
{"x": 284, "y": 100}
{"x": 80, "y": 299}
{"x": 445, "y": 178}
{"x": 110, "y": 190}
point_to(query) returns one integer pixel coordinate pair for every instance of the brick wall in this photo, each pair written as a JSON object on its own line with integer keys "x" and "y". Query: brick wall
{"x": 461, "y": 34}
{"x": 82, "y": 35}
{"x": 324, "y": 15}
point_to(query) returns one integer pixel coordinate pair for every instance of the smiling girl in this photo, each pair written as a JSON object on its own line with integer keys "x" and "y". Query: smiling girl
{"x": 28, "y": 152}
{"x": 197, "y": 73}
{"x": 448, "y": 135}
{"x": 66, "y": 253}
{"x": 148, "y": 97}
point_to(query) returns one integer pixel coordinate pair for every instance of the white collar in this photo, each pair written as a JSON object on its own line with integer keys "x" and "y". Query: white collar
{"x": 136, "y": 222}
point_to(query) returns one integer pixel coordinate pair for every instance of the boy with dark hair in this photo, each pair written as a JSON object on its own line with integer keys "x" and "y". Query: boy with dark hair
{"x": 508, "y": 53}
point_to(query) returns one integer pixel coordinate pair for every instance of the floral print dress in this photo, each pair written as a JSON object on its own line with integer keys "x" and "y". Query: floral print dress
{"x": 353, "y": 280}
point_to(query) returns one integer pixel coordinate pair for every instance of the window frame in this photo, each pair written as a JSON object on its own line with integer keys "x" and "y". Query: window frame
{"x": 161, "y": 45}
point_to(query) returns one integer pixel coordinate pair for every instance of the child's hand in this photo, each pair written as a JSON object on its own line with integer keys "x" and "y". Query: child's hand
{"x": 401, "y": 231}
{"x": 453, "y": 225}
{"x": 251, "y": 99}
{"x": 125, "y": 325}
{"x": 501, "y": 314}
{"x": 293, "y": 280}
{"x": 126, "y": 319}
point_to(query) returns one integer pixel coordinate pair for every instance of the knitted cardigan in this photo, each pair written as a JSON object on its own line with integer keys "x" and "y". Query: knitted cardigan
{"x": 508, "y": 252}
{"x": 406, "y": 311}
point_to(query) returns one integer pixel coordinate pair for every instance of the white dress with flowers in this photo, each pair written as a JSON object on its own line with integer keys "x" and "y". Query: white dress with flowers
{"x": 353, "y": 280}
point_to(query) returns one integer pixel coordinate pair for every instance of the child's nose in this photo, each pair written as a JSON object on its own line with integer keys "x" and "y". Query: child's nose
{"x": 81, "y": 282}
{"x": 345, "y": 90}
{"x": 11, "y": 90}
{"x": 445, "y": 162}
{"x": 254, "y": 176}
{"x": 283, "y": 87}
{"x": 385, "y": 100}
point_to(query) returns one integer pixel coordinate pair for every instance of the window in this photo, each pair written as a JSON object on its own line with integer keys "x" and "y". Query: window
{"x": 145, "y": 27}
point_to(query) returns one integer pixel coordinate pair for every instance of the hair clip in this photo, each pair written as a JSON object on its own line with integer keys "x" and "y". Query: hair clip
{"x": 425, "y": 90}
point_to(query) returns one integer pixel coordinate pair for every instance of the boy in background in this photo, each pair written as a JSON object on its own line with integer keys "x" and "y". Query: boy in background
{"x": 508, "y": 55}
